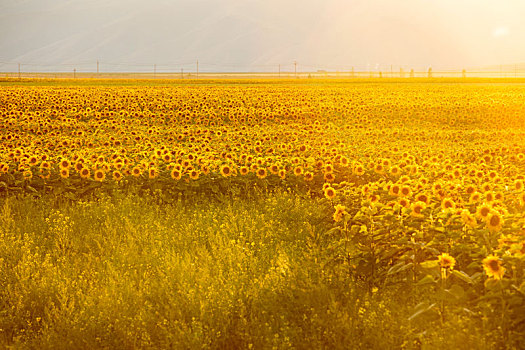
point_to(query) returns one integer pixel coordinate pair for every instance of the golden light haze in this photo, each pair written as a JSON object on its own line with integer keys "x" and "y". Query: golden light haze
{"x": 258, "y": 35}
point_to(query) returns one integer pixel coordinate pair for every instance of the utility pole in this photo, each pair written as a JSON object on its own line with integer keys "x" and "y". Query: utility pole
{"x": 391, "y": 71}
{"x": 97, "y": 66}
{"x": 19, "y": 77}
{"x": 295, "y": 68}
{"x": 182, "y": 73}
{"x": 279, "y": 70}
{"x": 74, "y": 73}
{"x": 352, "y": 72}
{"x": 197, "y": 69}
{"x": 154, "y": 71}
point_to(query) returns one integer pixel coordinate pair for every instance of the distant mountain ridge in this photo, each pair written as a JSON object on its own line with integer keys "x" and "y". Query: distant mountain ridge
{"x": 229, "y": 35}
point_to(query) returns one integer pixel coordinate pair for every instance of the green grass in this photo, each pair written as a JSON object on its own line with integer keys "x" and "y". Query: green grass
{"x": 127, "y": 272}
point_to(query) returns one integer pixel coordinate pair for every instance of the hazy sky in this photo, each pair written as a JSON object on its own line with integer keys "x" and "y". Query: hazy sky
{"x": 46, "y": 35}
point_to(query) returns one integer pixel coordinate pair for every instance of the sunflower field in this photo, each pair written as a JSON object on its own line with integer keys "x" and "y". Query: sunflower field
{"x": 262, "y": 214}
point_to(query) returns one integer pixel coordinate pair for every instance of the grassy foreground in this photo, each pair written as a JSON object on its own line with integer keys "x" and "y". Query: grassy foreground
{"x": 126, "y": 272}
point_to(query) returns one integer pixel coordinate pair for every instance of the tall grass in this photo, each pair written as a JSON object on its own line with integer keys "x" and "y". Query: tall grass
{"x": 127, "y": 272}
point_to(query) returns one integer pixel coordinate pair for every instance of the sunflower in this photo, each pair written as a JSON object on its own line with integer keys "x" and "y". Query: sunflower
{"x": 344, "y": 162}
{"x": 28, "y": 175}
{"x": 446, "y": 261}
{"x": 359, "y": 170}
{"x": 493, "y": 268}
{"x": 468, "y": 218}
{"x": 518, "y": 185}
{"x": 379, "y": 169}
{"x": 226, "y": 170}
{"x": 79, "y": 166}
{"x": 417, "y": 208}
{"x": 153, "y": 173}
{"x": 489, "y": 196}
{"x": 395, "y": 171}
{"x": 394, "y": 190}
{"x": 308, "y": 176}
{"x": 448, "y": 203}
{"x": 244, "y": 170}
{"x": 117, "y": 175}
{"x": 194, "y": 175}
{"x": 405, "y": 191}
{"x": 329, "y": 177}
{"x": 176, "y": 174}
{"x": 84, "y": 173}
{"x": 274, "y": 169}
{"x": 298, "y": 170}
{"x": 374, "y": 198}
{"x": 422, "y": 197}
{"x": 475, "y": 197}
{"x": 470, "y": 189}
{"x": 340, "y": 211}
{"x": 404, "y": 202}
{"x": 329, "y": 192}
{"x": 64, "y": 173}
{"x": 99, "y": 175}
{"x": 261, "y": 173}
{"x": 494, "y": 221}
{"x": 136, "y": 171}
{"x": 483, "y": 211}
